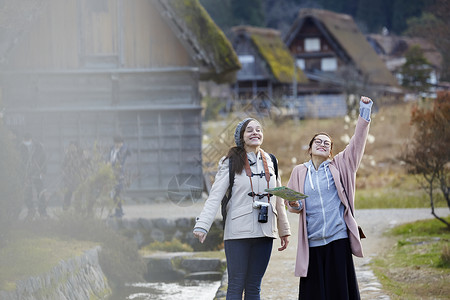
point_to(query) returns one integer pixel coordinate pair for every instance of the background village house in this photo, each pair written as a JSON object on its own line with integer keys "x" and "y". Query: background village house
{"x": 268, "y": 70}
{"x": 338, "y": 61}
{"x": 84, "y": 70}
{"x": 392, "y": 50}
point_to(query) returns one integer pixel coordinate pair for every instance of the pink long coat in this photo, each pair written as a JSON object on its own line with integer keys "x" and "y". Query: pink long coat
{"x": 343, "y": 168}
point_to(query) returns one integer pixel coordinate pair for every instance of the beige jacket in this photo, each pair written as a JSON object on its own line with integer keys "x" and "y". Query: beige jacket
{"x": 343, "y": 168}
{"x": 242, "y": 218}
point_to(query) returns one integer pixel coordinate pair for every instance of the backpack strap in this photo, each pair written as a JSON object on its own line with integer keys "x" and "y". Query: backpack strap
{"x": 275, "y": 164}
{"x": 227, "y": 195}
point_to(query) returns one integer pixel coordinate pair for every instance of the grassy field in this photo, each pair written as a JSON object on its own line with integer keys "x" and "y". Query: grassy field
{"x": 34, "y": 256}
{"x": 382, "y": 181}
{"x": 418, "y": 267}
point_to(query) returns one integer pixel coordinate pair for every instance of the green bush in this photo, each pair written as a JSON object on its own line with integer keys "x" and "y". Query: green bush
{"x": 10, "y": 184}
{"x": 119, "y": 257}
{"x": 445, "y": 257}
{"x": 212, "y": 107}
{"x": 93, "y": 194}
{"x": 168, "y": 246}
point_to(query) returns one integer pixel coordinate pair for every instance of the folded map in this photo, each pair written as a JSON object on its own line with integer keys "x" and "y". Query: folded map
{"x": 286, "y": 193}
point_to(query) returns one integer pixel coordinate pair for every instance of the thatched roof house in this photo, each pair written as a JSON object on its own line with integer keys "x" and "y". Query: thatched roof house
{"x": 392, "y": 50}
{"x": 329, "y": 46}
{"x": 84, "y": 70}
{"x": 267, "y": 65}
{"x": 208, "y": 45}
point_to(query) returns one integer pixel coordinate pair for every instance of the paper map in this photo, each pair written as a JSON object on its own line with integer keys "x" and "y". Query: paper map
{"x": 286, "y": 193}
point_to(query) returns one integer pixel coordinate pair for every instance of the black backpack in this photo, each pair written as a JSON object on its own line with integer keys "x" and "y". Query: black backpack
{"x": 227, "y": 195}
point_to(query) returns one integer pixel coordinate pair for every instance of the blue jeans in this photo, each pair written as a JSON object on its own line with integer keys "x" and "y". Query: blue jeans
{"x": 247, "y": 261}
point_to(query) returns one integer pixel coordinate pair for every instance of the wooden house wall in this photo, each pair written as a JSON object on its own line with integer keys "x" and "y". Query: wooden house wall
{"x": 153, "y": 42}
{"x": 256, "y": 71}
{"x": 253, "y": 79}
{"x": 312, "y": 59}
{"x": 157, "y": 113}
{"x": 99, "y": 34}
{"x": 320, "y": 105}
{"x": 89, "y": 69}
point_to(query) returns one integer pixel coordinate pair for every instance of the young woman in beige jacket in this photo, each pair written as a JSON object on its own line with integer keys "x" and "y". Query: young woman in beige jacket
{"x": 249, "y": 233}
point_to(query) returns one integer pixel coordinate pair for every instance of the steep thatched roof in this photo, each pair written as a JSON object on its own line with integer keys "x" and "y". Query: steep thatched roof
{"x": 209, "y": 44}
{"x": 396, "y": 46}
{"x": 342, "y": 29}
{"x": 272, "y": 49}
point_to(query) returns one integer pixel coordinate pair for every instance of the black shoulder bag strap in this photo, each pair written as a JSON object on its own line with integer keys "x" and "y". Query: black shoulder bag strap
{"x": 361, "y": 232}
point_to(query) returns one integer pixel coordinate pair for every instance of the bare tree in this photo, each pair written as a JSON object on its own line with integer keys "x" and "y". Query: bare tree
{"x": 427, "y": 154}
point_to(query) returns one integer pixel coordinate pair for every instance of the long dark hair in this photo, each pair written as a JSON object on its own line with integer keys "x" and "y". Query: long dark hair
{"x": 238, "y": 154}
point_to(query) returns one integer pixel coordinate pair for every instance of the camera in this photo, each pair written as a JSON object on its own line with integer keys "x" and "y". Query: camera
{"x": 263, "y": 210}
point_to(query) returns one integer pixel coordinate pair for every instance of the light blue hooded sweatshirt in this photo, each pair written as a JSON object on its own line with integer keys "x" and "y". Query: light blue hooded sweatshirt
{"x": 324, "y": 210}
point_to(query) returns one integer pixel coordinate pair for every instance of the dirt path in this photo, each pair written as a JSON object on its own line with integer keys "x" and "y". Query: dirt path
{"x": 279, "y": 282}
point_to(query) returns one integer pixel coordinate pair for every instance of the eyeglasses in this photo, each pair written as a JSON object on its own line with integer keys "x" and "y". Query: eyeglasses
{"x": 319, "y": 142}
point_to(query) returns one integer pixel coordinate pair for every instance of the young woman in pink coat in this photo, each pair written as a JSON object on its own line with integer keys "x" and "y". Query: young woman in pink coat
{"x": 328, "y": 233}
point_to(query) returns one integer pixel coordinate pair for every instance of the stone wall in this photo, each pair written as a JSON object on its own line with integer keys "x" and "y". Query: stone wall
{"x": 79, "y": 278}
{"x": 145, "y": 231}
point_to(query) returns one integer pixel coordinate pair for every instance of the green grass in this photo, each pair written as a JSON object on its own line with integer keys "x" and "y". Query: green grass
{"x": 418, "y": 266}
{"x": 174, "y": 245}
{"x": 210, "y": 254}
{"x": 34, "y": 248}
{"x": 34, "y": 256}
{"x": 388, "y": 197}
{"x": 393, "y": 190}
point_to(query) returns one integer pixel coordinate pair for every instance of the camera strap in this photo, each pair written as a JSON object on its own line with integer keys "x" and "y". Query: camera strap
{"x": 250, "y": 174}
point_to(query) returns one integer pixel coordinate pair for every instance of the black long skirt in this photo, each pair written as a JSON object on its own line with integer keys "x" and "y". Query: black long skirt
{"x": 331, "y": 273}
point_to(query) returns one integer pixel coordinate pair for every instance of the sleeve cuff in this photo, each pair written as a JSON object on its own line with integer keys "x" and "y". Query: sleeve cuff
{"x": 365, "y": 110}
{"x": 200, "y": 229}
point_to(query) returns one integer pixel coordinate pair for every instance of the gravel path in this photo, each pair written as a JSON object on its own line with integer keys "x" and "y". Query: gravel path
{"x": 279, "y": 282}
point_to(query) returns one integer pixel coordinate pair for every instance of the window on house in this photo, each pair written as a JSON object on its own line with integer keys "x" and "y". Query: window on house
{"x": 312, "y": 44}
{"x": 328, "y": 64}
{"x": 248, "y": 64}
{"x": 246, "y": 59}
{"x": 300, "y": 63}
{"x": 432, "y": 79}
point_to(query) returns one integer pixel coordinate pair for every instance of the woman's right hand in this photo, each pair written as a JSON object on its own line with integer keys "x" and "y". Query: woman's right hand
{"x": 294, "y": 204}
{"x": 200, "y": 235}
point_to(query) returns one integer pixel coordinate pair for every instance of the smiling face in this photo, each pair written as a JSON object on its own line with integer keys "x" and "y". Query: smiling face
{"x": 320, "y": 146}
{"x": 253, "y": 136}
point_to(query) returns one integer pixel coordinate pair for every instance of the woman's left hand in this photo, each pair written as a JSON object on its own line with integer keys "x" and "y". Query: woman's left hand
{"x": 365, "y": 99}
{"x": 284, "y": 242}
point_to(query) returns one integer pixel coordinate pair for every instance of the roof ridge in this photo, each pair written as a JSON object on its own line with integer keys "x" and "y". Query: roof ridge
{"x": 315, "y": 11}
{"x": 256, "y": 30}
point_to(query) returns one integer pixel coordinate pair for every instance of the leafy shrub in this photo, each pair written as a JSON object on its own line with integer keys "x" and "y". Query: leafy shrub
{"x": 119, "y": 257}
{"x": 213, "y": 106}
{"x": 93, "y": 194}
{"x": 168, "y": 246}
{"x": 445, "y": 256}
{"x": 10, "y": 183}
